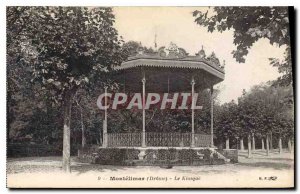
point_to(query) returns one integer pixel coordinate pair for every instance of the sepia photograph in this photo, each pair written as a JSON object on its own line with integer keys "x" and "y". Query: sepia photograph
{"x": 150, "y": 97}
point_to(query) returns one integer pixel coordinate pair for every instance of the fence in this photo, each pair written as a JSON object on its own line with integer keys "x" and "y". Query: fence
{"x": 157, "y": 139}
{"x": 202, "y": 140}
{"x": 124, "y": 139}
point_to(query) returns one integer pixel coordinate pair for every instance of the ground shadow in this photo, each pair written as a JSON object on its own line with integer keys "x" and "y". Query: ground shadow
{"x": 276, "y": 166}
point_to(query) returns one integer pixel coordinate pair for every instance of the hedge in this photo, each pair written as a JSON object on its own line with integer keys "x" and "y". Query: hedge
{"x": 129, "y": 156}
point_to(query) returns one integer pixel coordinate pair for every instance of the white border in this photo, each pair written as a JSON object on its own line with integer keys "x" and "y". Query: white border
{"x": 5, "y": 3}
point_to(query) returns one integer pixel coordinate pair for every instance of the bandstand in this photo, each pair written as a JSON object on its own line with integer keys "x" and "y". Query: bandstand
{"x": 168, "y": 70}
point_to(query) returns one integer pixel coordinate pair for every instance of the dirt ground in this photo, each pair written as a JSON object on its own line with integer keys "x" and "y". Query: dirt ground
{"x": 275, "y": 170}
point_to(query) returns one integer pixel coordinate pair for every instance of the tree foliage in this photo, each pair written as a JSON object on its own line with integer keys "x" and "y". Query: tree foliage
{"x": 265, "y": 109}
{"x": 54, "y": 51}
{"x": 71, "y": 46}
{"x": 132, "y": 48}
{"x": 250, "y": 24}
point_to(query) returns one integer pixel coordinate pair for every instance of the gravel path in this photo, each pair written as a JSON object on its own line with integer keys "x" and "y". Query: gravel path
{"x": 250, "y": 170}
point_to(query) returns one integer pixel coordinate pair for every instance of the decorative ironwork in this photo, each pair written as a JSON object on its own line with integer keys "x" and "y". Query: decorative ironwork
{"x": 201, "y": 54}
{"x": 124, "y": 139}
{"x": 173, "y": 52}
{"x": 214, "y": 59}
{"x": 157, "y": 139}
{"x": 202, "y": 140}
{"x": 223, "y": 66}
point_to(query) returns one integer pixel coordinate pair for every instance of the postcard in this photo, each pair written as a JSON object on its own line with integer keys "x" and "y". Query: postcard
{"x": 150, "y": 97}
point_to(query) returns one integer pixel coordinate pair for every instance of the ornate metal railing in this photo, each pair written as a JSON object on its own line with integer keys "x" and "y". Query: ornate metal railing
{"x": 124, "y": 139}
{"x": 168, "y": 139}
{"x": 157, "y": 139}
{"x": 202, "y": 140}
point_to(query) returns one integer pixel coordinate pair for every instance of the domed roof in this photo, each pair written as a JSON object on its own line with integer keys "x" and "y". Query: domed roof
{"x": 175, "y": 53}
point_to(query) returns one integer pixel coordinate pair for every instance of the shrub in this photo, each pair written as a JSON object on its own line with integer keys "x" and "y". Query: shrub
{"x": 118, "y": 156}
{"x": 173, "y": 154}
{"x": 150, "y": 155}
{"x": 132, "y": 154}
{"x": 162, "y": 154}
{"x": 215, "y": 156}
{"x": 187, "y": 155}
{"x": 112, "y": 156}
{"x": 206, "y": 153}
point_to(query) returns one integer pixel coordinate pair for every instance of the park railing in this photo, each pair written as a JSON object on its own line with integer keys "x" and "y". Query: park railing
{"x": 168, "y": 139}
{"x": 202, "y": 140}
{"x": 157, "y": 139}
{"x": 124, "y": 139}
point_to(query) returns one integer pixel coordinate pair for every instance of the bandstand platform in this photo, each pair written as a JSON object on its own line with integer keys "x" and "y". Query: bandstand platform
{"x": 168, "y": 70}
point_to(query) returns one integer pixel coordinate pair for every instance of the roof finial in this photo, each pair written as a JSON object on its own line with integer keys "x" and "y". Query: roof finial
{"x": 223, "y": 66}
{"x": 201, "y": 53}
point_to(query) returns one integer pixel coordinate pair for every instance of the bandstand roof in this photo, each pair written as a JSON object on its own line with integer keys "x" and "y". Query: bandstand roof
{"x": 169, "y": 70}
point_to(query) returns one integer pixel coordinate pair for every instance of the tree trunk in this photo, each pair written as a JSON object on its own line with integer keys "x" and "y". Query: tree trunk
{"x": 100, "y": 141}
{"x": 249, "y": 146}
{"x": 290, "y": 145}
{"x": 83, "y": 140}
{"x": 66, "y": 135}
{"x": 271, "y": 141}
{"x": 267, "y": 143}
{"x": 280, "y": 145}
{"x": 253, "y": 142}
{"x": 227, "y": 143}
{"x": 104, "y": 134}
{"x": 262, "y": 144}
{"x": 242, "y": 144}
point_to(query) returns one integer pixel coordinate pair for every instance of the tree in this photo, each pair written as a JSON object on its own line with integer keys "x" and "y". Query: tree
{"x": 250, "y": 24}
{"x": 227, "y": 122}
{"x": 19, "y": 101}
{"x": 270, "y": 110}
{"x": 132, "y": 48}
{"x": 67, "y": 47}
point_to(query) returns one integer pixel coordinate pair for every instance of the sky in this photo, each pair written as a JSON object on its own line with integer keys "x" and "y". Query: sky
{"x": 176, "y": 24}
